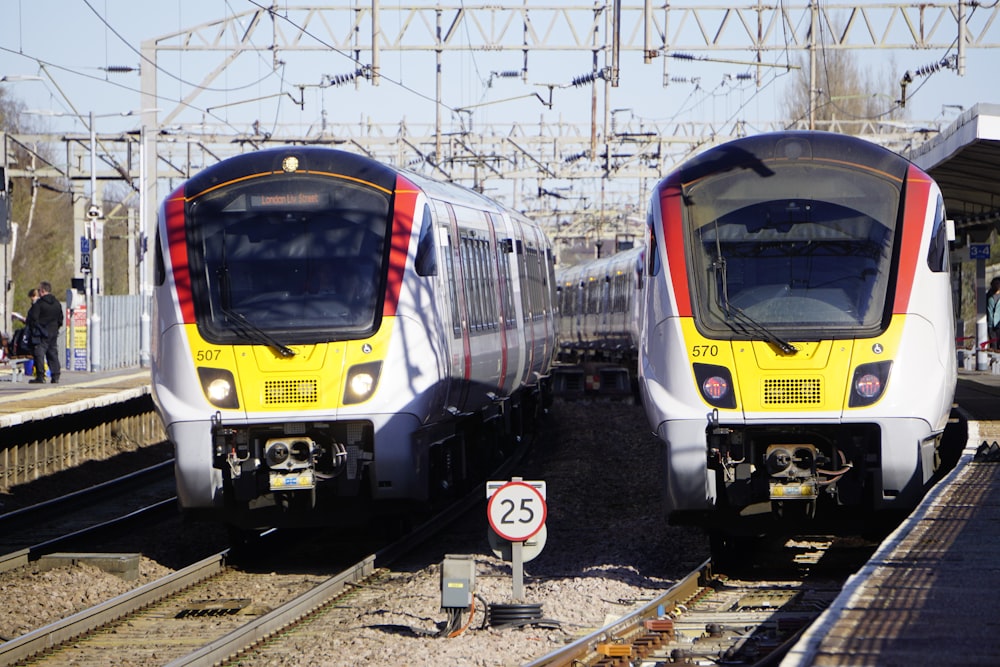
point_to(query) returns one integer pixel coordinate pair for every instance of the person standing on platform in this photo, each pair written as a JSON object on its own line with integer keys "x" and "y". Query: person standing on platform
{"x": 43, "y": 323}
{"x": 993, "y": 314}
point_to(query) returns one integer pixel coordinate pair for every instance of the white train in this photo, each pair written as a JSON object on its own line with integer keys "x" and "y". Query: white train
{"x": 599, "y": 307}
{"x": 332, "y": 335}
{"x": 797, "y": 333}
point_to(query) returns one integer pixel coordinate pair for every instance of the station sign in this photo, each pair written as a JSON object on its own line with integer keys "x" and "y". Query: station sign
{"x": 979, "y": 251}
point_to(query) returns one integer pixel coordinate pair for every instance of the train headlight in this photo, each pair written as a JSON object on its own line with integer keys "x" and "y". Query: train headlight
{"x": 361, "y": 382}
{"x": 716, "y": 385}
{"x": 868, "y": 383}
{"x": 219, "y": 386}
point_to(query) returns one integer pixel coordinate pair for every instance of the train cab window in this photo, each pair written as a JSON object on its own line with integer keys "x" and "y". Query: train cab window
{"x": 809, "y": 251}
{"x": 262, "y": 250}
{"x": 653, "y": 263}
{"x": 937, "y": 252}
{"x": 426, "y": 260}
{"x": 159, "y": 269}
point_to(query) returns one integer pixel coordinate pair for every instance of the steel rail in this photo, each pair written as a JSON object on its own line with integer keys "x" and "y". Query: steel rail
{"x": 264, "y": 626}
{"x": 685, "y": 589}
{"x": 30, "y": 513}
{"x": 87, "y": 620}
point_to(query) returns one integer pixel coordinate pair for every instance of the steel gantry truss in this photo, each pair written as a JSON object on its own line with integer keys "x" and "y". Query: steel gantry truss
{"x": 586, "y": 179}
{"x": 612, "y": 157}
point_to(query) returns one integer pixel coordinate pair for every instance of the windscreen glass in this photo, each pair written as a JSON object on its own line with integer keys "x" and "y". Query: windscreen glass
{"x": 801, "y": 248}
{"x": 300, "y": 257}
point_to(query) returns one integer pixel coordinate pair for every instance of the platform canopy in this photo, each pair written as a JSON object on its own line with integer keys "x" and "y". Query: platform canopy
{"x": 964, "y": 159}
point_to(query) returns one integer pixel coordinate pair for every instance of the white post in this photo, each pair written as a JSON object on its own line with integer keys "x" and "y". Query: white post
{"x": 982, "y": 345}
{"x": 517, "y": 569}
{"x": 142, "y": 245}
{"x": 93, "y": 287}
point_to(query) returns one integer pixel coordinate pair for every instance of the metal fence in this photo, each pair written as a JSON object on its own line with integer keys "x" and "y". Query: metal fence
{"x": 117, "y": 336}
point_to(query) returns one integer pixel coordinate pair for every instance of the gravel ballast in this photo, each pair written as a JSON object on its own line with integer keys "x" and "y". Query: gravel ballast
{"x": 608, "y": 550}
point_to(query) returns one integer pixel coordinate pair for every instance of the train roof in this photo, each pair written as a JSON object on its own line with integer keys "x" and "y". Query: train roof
{"x": 624, "y": 260}
{"x": 755, "y": 152}
{"x": 311, "y": 158}
{"x": 332, "y": 160}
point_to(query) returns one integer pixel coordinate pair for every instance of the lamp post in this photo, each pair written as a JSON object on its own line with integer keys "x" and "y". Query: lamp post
{"x": 145, "y": 318}
{"x": 94, "y": 216}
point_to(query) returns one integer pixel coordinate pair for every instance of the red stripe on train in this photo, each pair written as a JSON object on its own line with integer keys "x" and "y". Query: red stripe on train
{"x": 177, "y": 243}
{"x": 402, "y": 225}
{"x": 671, "y": 214}
{"x": 918, "y": 186}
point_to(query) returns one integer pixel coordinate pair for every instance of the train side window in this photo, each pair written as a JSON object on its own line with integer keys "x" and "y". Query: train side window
{"x": 937, "y": 251}
{"x": 456, "y": 316}
{"x": 426, "y": 260}
{"x": 159, "y": 270}
{"x": 523, "y": 268}
{"x": 468, "y": 273}
{"x": 653, "y": 265}
{"x": 449, "y": 250}
{"x": 550, "y": 265}
{"x": 506, "y": 284}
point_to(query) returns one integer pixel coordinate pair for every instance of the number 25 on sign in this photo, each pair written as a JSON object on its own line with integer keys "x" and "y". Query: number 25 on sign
{"x": 516, "y": 509}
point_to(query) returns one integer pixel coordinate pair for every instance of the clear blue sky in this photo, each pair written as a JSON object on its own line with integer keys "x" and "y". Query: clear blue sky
{"x": 76, "y": 38}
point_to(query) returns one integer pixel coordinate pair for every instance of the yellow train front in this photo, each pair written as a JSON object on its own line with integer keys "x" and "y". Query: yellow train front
{"x": 333, "y": 336}
{"x": 797, "y": 336}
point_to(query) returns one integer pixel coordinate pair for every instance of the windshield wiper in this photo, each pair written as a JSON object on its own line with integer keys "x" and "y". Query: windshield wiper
{"x": 255, "y": 333}
{"x": 244, "y": 326}
{"x": 745, "y": 321}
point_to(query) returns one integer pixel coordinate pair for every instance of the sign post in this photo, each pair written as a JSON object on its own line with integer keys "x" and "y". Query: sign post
{"x": 516, "y": 511}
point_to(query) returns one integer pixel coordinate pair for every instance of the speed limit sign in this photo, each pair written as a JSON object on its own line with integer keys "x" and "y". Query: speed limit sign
{"x": 516, "y": 511}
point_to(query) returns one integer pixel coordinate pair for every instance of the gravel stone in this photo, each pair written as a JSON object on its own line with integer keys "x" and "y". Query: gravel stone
{"x": 608, "y": 550}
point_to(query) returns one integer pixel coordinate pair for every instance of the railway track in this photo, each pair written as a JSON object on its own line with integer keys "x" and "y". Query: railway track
{"x": 389, "y": 615}
{"x": 203, "y": 605}
{"x": 203, "y": 613}
{"x": 76, "y": 518}
{"x": 713, "y": 618}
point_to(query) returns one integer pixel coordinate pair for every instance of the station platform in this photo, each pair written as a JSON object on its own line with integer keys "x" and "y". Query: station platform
{"x": 929, "y": 595}
{"x": 22, "y": 402}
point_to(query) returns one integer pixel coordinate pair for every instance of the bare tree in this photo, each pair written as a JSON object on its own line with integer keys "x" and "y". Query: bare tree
{"x": 41, "y": 213}
{"x": 844, "y": 91}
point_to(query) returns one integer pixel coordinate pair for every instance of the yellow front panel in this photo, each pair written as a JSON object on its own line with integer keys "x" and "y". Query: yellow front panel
{"x": 312, "y": 379}
{"x": 813, "y": 379}
{"x": 816, "y": 378}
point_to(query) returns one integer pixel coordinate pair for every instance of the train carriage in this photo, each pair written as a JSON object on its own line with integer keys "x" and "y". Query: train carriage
{"x": 329, "y": 329}
{"x": 599, "y": 306}
{"x": 797, "y": 333}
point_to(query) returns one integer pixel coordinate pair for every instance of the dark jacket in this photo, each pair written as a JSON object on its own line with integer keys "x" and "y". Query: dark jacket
{"x": 47, "y": 315}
